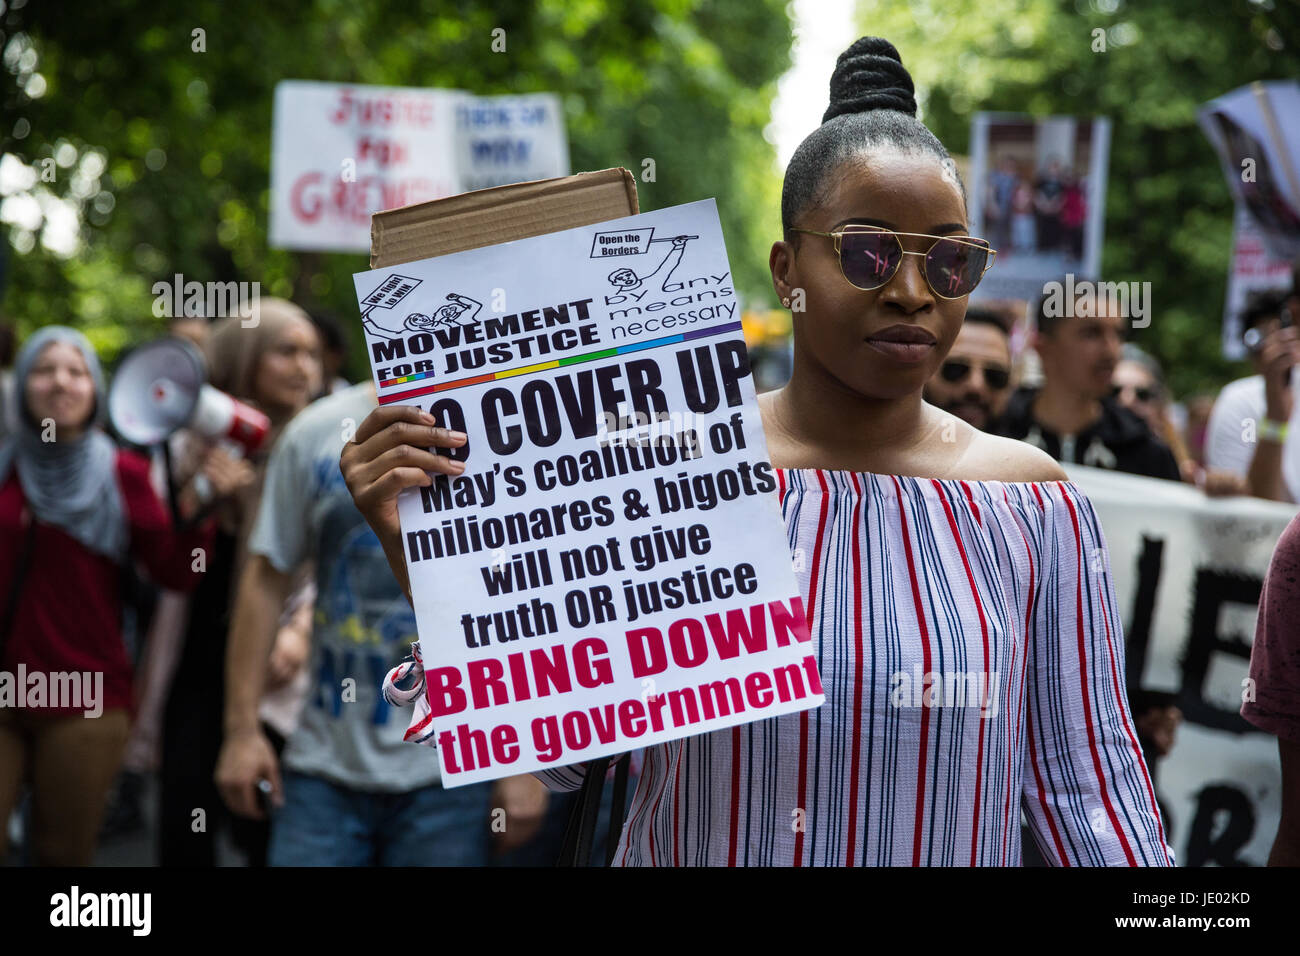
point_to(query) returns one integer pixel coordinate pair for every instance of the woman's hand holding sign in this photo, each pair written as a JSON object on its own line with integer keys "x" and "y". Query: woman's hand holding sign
{"x": 389, "y": 453}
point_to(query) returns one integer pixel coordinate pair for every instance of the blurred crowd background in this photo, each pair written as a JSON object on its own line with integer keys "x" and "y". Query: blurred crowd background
{"x": 128, "y": 162}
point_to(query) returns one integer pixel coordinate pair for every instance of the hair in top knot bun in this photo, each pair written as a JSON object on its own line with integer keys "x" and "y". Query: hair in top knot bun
{"x": 873, "y": 106}
{"x": 870, "y": 76}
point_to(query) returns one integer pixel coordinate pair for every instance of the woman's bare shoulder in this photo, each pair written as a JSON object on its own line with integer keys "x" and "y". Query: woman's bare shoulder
{"x": 994, "y": 458}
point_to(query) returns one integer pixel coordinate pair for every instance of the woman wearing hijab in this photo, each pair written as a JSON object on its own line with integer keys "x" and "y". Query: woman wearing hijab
{"x": 933, "y": 547}
{"x": 74, "y": 509}
{"x": 275, "y": 366}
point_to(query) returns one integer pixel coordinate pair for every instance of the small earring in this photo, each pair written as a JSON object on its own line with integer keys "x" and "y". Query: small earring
{"x": 786, "y": 302}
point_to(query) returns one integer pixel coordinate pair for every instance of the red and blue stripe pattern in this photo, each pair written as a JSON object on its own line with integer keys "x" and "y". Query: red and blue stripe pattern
{"x": 1005, "y": 578}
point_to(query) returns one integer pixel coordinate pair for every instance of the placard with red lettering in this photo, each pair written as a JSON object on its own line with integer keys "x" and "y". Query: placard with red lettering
{"x": 611, "y": 569}
{"x": 341, "y": 152}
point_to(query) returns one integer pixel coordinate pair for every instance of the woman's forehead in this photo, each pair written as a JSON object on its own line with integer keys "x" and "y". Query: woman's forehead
{"x": 909, "y": 192}
{"x": 296, "y": 330}
{"x": 62, "y": 353}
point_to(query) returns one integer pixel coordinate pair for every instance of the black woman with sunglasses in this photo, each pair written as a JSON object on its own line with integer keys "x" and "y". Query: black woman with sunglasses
{"x": 957, "y": 587}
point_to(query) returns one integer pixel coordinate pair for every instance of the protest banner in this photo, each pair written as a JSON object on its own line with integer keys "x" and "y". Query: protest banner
{"x": 611, "y": 571}
{"x": 1255, "y": 129}
{"x": 340, "y": 152}
{"x": 1188, "y": 572}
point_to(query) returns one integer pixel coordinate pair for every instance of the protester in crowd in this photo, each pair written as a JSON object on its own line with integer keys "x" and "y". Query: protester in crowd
{"x": 73, "y": 510}
{"x": 1272, "y": 699}
{"x": 352, "y": 792}
{"x": 162, "y": 640}
{"x": 997, "y": 211}
{"x": 1074, "y": 215}
{"x": 892, "y": 498}
{"x": 974, "y": 381}
{"x": 1024, "y": 230}
{"x": 272, "y": 365}
{"x": 334, "y": 351}
{"x": 1049, "y": 198}
{"x": 1072, "y": 416}
{"x": 1249, "y": 430}
{"x": 1138, "y": 384}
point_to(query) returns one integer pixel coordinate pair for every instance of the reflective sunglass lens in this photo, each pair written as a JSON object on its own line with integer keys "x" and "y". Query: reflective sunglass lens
{"x": 955, "y": 268}
{"x": 869, "y": 259}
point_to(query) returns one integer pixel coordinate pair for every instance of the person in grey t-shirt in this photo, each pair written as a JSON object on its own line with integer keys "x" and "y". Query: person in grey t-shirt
{"x": 353, "y": 792}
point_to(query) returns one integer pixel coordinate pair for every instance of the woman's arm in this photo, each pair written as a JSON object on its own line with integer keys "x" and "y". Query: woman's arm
{"x": 1086, "y": 790}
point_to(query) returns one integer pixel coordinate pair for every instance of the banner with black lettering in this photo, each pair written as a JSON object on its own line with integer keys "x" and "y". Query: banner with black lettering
{"x": 1188, "y": 572}
{"x": 611, "y": 569}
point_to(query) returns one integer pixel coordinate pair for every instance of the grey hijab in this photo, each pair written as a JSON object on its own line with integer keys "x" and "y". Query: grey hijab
{"x": 68, "y": 483}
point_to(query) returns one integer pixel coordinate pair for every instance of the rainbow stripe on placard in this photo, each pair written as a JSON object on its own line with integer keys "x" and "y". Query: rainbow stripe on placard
{"x": 390, "y": 382}
{"x": 545, "y": 366}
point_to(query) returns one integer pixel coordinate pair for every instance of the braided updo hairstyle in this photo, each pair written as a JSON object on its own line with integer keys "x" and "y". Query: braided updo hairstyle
{"x": 872, "y": 105}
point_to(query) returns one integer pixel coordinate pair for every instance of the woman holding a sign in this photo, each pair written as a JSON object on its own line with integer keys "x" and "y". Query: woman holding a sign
{"x": 956, "y": 585}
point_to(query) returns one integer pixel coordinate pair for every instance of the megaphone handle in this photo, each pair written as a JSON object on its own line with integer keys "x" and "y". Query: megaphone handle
{"x": 202, "y": 486}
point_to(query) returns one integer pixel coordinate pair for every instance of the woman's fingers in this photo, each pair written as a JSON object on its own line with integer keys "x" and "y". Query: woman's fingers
{"x": 397, "y": 437}
{"x": 387, "y": 486}
{"x": 401, "y": 431}
{"x": 385, "y": 415}
{"x": 404, "y": 456}
{"x": 408, "y": 433}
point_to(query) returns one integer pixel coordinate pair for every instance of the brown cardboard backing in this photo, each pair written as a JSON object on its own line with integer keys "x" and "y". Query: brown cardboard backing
{"x": 500, "y": 214}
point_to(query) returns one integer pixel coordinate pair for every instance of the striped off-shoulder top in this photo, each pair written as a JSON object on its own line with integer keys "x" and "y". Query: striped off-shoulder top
{"x": 972, "y": 657}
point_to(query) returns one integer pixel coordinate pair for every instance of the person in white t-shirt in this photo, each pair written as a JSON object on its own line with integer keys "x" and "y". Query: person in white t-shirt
{"x": 1249, "y": 431}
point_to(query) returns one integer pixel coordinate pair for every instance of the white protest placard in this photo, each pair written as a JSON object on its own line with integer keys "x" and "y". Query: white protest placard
{"x": 510, "y": 139}
{"x": 340, "y": 152}
{"x": 611, "y": 571}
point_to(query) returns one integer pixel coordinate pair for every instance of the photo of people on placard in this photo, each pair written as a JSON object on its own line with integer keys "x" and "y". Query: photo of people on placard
{"x": 1259, "y": 189}
{"x": 1035, "y": 181}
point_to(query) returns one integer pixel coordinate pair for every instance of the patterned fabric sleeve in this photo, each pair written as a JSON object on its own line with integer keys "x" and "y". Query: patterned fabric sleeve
{"x": 1087, "y": 793}
{"x": 561, "y": 779}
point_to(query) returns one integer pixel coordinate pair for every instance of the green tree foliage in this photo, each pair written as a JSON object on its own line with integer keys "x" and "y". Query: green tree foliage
{"x": 1168, "y": 209}
{"x": 183, "y": 137}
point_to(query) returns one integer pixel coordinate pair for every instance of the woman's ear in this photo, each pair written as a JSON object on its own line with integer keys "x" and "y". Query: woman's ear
{"x": 784, "y": 275}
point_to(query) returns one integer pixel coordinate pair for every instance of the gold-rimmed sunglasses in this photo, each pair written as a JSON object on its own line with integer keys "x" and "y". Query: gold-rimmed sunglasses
{"x": 870, "y": 255}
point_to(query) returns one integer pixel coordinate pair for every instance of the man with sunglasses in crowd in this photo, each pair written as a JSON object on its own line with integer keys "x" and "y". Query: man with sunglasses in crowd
{"x": 1248, "y": 433}
{"x": 1073, "y": 416}
{"x": 975, "y": 380}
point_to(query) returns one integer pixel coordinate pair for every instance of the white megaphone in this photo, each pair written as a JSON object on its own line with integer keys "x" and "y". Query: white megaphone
{"x": 163, "y": 386}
